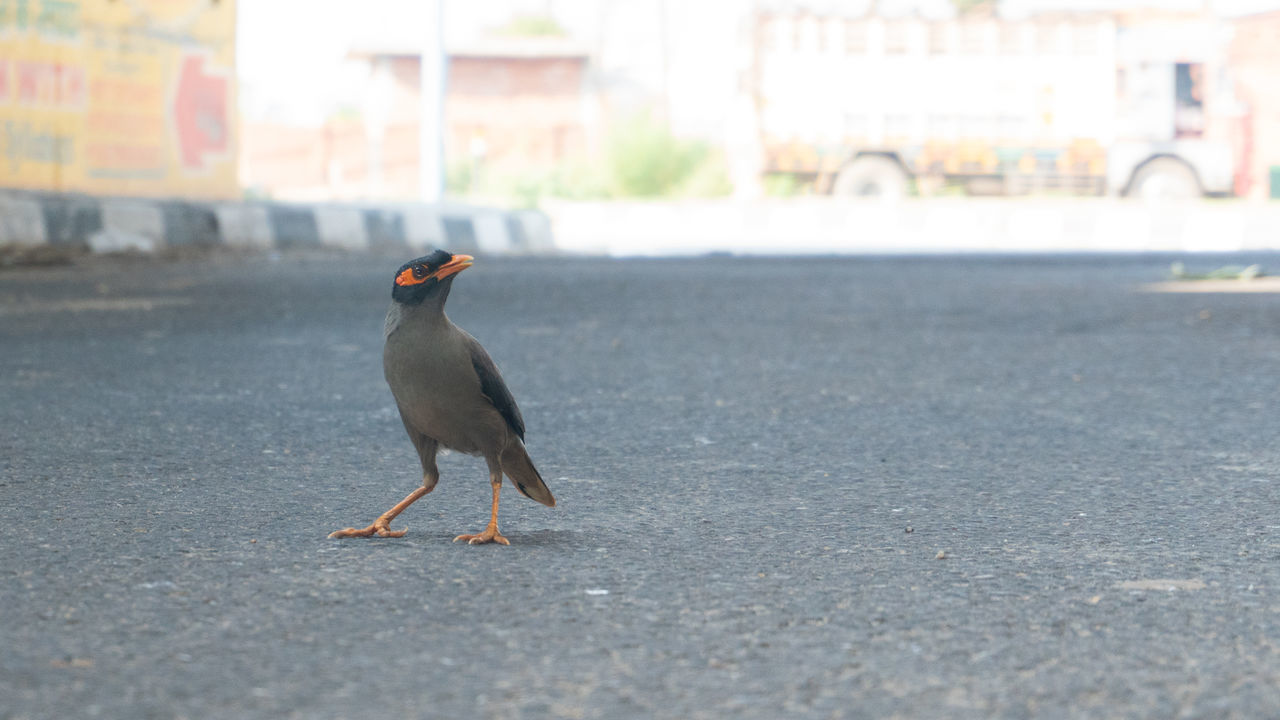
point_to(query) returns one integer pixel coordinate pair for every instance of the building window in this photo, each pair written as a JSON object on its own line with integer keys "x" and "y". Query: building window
{"x": 1085, "y": 40}
{"x": 895, "y": 38}
{"x": 1046, "y": 38}
{"x": 798, "y": 27}
{"x": 769, "y": 31}
{"x": 939, "y": 38}
{"x": 972, "y": 38}
{"x": 855, "y": 37}
{"x": 1012, "y": 36}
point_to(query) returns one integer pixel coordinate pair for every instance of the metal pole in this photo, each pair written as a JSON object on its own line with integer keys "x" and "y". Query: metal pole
{"x": 432, "y": 71}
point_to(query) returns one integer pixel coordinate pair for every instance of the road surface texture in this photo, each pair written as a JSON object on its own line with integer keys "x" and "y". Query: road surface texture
{"x": 788, "y": 488}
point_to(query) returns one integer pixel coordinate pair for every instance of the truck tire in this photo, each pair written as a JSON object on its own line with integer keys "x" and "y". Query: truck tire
{"x": 1164, "y": 178}
{"x": 871, "y": 176}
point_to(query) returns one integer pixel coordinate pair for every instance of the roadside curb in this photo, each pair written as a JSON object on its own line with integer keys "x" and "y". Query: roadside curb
{"x": 850, "y": 226}
{"x": 111, "y": 224}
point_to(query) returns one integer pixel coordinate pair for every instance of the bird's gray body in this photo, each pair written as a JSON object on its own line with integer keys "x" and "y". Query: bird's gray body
{"x": 427, "y": 361}
{"x": 450, "y": 394}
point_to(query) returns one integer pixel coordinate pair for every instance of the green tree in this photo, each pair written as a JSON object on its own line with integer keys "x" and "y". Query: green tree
{"x": 533, "y": 26}
{"x": 965, "y": 7}
{"x": 646, "y": 160}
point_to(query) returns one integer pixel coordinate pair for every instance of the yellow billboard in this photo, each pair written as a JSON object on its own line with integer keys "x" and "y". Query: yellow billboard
{"x": 118, "y": 97}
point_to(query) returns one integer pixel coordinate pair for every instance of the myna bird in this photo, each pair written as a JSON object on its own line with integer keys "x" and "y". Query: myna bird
{"x": 449, "y": 392}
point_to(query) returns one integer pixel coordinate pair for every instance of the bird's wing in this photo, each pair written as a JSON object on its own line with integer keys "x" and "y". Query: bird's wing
{"x": 493, "y": 387}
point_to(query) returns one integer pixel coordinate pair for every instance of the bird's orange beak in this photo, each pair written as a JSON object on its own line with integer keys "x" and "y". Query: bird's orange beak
{"x": 454, "y": 266}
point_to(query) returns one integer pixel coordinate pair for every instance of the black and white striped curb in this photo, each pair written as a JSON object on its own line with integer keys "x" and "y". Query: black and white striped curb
{"x": 115, "y": 224}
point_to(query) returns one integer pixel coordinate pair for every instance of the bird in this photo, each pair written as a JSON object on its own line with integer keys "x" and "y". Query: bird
{"x": 450, "y": 394}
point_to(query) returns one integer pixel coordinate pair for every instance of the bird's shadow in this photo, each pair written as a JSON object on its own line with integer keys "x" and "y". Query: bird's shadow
{"x": 544, "y": 538}
{"x": 535, "y": 538}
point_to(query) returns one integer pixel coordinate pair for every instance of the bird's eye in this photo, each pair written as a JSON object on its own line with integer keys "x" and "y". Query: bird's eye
{"x": 419, "y": 272}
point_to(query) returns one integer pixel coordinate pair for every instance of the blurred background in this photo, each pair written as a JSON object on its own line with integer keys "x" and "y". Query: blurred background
{"x": 733, "y": 124}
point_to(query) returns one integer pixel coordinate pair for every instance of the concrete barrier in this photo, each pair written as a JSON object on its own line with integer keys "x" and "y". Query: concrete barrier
{"x": 769, "y": 226}
{"x": 341, "y": 227}
{"x": 21, "y": 221}
{"x": 129, "y": 225}
{"x": 115, "y": 224}
{"x": 245, "y": 225}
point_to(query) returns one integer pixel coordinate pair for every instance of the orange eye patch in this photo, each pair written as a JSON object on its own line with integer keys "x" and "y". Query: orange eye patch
{"x": 409, "y": 277}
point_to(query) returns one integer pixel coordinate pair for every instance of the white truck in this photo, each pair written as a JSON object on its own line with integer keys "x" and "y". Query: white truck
{"x": 1080, "y": 103}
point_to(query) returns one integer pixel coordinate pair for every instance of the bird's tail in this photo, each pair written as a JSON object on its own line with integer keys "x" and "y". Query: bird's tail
{"x": 517, "y": 466}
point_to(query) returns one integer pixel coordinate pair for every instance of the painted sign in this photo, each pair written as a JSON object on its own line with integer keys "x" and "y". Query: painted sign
{"x": 120, "y": 97}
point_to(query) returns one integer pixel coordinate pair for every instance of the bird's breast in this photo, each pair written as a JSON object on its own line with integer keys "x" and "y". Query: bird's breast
{"x": 436, "y": 387}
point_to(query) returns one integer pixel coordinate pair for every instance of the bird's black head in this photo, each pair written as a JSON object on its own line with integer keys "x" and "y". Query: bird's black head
{"x": 430, "y": 276}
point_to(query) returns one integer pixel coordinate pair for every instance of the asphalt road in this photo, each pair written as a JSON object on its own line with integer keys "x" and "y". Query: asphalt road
{"x": 860, "y": 487}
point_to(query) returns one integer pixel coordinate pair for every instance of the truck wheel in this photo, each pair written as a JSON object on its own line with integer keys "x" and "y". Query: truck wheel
{"x": 871, "y": 176}
{"x": 1164, "y": 179}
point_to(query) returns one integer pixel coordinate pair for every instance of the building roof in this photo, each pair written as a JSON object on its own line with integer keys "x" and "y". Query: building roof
{"x": 491, "y": 47}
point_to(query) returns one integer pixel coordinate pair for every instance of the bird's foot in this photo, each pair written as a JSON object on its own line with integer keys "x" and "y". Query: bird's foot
{"x": 379, "y": 528}
{"x": 490, "y": 535}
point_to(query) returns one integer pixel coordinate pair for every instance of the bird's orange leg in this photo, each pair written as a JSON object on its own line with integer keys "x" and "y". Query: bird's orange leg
{"x": 382, "y": 526}
{"x": 490, "y": 533}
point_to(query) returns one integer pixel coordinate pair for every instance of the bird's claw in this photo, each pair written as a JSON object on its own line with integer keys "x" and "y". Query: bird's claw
{"x": 488, "y": 536}
{"x": 379, "y": 529}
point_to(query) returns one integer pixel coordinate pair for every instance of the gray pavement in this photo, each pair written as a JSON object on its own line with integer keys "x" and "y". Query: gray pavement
{"x": 858, "y": 487}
